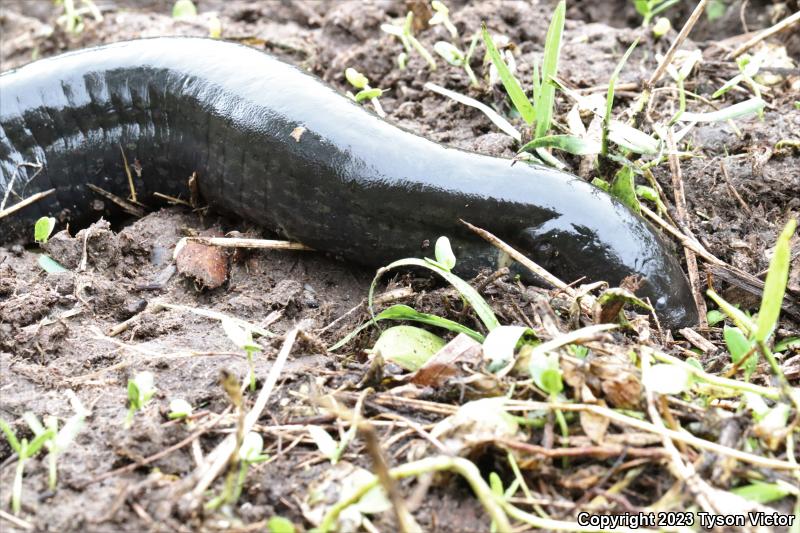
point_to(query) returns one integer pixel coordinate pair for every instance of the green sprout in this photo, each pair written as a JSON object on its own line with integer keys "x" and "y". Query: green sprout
{"x": 755, "y": 334}
{"x": 72, "y": 19}
{"x": 43, "y": 228}
{"x": 365, "y": 92}
{"x": 24, "y": 450}
{"x": 454, "y": 56}
{"x": 442, "y": 16}
{"x": 650, "y": 8}
{"x": 539, "y": 110}
{"x": 215, "y": 27}
{"x": 184, "y": 9}
{"x": 41, "y": 233}
{"x": 249, "y": 453}
{"x": 243, "y": 338}
{"x": 140, "y": 390}
{"x": 661, "y": 27}
{"x": 59, "y": 440}
{"x": 748, "y": 68}
{"x": 406, "y": 36}
{"x": 279, "y": 524}
{"x": 444, "y": 261}
{"x": 716, "y": 9}
{"x": 179, "y": 409}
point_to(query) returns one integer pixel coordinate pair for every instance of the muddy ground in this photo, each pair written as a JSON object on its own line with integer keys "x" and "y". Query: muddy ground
{"x": 54, "y": 328}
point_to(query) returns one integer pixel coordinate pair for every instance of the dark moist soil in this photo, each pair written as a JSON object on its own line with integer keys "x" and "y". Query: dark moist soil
{"x": 54, "y": 327}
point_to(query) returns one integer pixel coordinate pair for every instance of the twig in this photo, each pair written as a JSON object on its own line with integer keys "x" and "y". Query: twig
{"x": 601, "y": 452}
{"x": 733, "y": 189}
{"x": 647, "y": 86}
{"x": 683, "y": 219}
{"x": 26, "y": 202}
{"x": 20, "y": 523}
{"x": 128, "y": 174}
{"x": 216, "y": 460}
{"x": 786, "y": 23}
{"x": 641, "y": 425}
{"x": 126, "y": 205}
{"x": 684, "y": 33}
{"x": 172, "y": 199}
{"x": 237, "y": 242}
{"x": 684, "y": 472}
{"x": 587, "y": 301}
{"x": 38, "y": 166}
{"x": 405, "y": 521}
{"x": 686, "y": 242}
{"x": 163, "y": 453}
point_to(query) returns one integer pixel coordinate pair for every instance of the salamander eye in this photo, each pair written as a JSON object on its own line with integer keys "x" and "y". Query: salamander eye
{"x": 661, "y": 303}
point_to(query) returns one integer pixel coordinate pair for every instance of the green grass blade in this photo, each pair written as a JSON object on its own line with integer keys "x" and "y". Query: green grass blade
{"x": 404, "y": 312}
{"x": 748, "y": 107}
{"x": 477, "y": 302}
{"x": 547, "y": 93}
{"x": 568, "y": 143}
{"x": 775, "y": 284}
{"x": 512, "y": 86}
{"x": 742, "y": 321}
{"x": 623, "y": 188}
{"x": 10, "y": 437}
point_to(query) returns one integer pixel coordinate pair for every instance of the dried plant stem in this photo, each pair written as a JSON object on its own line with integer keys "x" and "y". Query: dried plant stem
{"x": 786, "y": 23}
{"x": 683, "y": 219}
{"x": 26, "y": 202}
{"x": 641, "y": 425}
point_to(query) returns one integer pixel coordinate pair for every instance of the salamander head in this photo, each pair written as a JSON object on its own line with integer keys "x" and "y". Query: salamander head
{"x": 572, "y": 252}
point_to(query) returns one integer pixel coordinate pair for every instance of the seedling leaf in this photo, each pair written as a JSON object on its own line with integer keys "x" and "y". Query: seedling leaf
{"x": 444, "y": 253}
{"x": 668, "y": 379}
{"x": 552, "y": 48}
{"x": 623, "y": 188}
{"x": 50, "y": 265}
{"x": 477, "y": 302}
{"x": 761, "y": 492}
{"x": 515, "y": 92}
{"x": 43, "y": 228}
{"x": 775, "y": 284}
{"x": 408, "y": 346}
{"x": 327, "y": 446}
{"x": 184, "y": 9}
{"x": 279, "y": 524}
{"x": 10, "y": 436}
{"x": 568, "y": 143}
{"x": 504, "y": 125}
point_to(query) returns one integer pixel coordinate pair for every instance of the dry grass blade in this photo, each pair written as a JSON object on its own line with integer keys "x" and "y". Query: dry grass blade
{"x": 587, "y": 301}
{"x": 215, "y": 462}
{"x": 684, "y": 437}
{"x": 785, "y": 24}
{"x": 237, "y": 242}
{"x": 125, "y": 205}
{"x": 26, "y": 202}
{"x": 683, "y": 218}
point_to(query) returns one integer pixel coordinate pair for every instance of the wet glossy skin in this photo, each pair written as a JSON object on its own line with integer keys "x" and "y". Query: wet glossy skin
{"x": 353, "y": 185}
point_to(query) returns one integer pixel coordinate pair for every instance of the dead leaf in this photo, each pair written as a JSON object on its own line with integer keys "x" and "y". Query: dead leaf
{"x": 447, "y": 362}
{"x": 297, "y": 133}
{"x": 595, "y": 426}
{"x": 208, "y": 265}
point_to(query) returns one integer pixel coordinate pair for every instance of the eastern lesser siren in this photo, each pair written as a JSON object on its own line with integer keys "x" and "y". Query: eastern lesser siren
{"x": 346, "y": 182}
